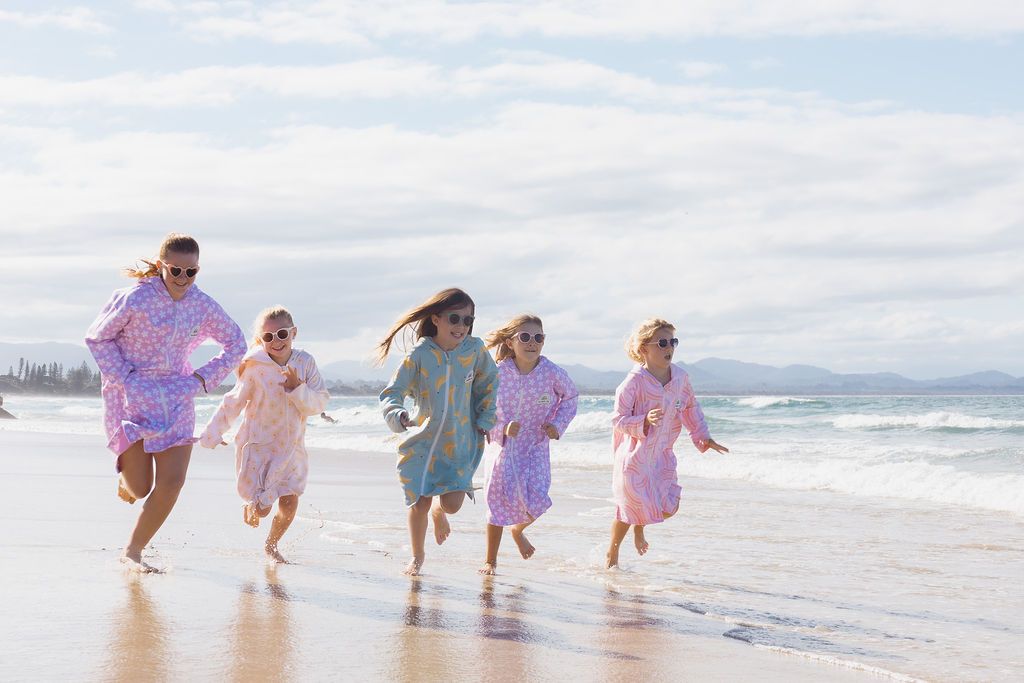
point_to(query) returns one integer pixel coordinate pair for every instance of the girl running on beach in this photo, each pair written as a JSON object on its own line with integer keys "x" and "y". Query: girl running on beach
{"x": 536, "y": 402}
{"x": 278, "y": 388}
{"x": 452, "y": 380}
{"x": 141, "y": 341}
{"x": 652, "y": 405}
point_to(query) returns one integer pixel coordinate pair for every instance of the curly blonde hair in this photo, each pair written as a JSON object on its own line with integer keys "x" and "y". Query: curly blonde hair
{"x": 644, "y": 333}
{"x": 497, "y": 338}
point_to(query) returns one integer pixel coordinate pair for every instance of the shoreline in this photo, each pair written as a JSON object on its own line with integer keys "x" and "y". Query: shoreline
{"x": 345, "y": 590}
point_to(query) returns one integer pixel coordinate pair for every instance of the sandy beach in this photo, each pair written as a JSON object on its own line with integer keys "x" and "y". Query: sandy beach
{"x": 341, "y": 610}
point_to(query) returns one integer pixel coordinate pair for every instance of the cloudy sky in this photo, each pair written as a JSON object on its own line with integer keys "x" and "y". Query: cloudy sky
{"x": 839, "y": 183}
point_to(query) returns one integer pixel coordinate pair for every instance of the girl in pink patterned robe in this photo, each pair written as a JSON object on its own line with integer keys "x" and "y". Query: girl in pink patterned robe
{"x": 536, "y": 402}
{"x": 141, "y": 341}
{"x": 652, "y": 405}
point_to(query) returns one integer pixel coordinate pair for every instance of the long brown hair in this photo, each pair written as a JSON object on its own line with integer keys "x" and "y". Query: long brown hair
{"x": 419, "y": 316}
{"x": 498, "y": 338}
{"x": 177, "y": 242}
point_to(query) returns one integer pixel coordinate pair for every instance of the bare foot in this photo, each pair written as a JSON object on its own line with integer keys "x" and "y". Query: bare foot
{"x": 123, "y": 493}
{"x": 638, "y": 539}
{"x": 526, "y": 548}
{"x": 489, "y": 569}
{"x": 132, "y": 561}
{"x": 441, "y": 526}
{"x": 414, "y": 566}
{"x": 612, "y": 557}
{"x": 273, "y": 554}
{"x": 250, "y": 516}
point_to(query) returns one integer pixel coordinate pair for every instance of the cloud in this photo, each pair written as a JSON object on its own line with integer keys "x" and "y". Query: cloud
{"x": 357, "y": 24}
{"x": 701, "y": 69}
{"x": 72, "y": 19}
{"x": 785, "y": 238}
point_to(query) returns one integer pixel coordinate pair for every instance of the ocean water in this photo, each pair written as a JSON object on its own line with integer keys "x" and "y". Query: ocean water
{"x": 881, "y": 533}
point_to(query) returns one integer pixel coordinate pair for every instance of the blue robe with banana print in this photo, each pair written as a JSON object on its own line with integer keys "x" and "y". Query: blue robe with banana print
{"x": 454, "y": 393}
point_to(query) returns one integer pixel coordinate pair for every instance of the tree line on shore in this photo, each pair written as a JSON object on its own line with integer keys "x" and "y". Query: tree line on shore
{"x": 51, "y": 378}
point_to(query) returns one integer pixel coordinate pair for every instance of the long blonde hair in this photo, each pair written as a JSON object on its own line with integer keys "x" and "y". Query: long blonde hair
{"x": 419, "y": 316}
{"x": 177, "y": 242}
{"x": 644, "y": 333}
{"x": 498, "y": 338}
{"x": 271, "y": 313}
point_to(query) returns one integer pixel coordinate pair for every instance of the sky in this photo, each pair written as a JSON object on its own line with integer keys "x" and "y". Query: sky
{"x": 838, "y": 184}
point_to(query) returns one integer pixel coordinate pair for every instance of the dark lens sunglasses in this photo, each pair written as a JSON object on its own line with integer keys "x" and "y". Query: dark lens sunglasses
{"x": 281, "y": 334}
{"x": 664, "y": 343}
{"x": 176, "y": 271}
{"x": 525, "y": 337}
{"x": 456, "y": 319}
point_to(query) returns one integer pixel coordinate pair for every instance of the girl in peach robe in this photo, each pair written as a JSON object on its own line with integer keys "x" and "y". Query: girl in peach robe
{"x": 278, "y": 388}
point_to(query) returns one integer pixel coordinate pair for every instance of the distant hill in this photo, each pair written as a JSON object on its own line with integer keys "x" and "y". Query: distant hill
{"x": 718, "y": 375}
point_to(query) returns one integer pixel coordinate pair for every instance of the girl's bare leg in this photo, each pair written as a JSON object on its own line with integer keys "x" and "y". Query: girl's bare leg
{"x": 619, "y": 530}
{"x": 171, "y": 468}
{"x": 419, "y": 517}
{"x": 136, "y": 480}
{"x": 446, "y": 504}
{"x": 490, "y": 567}
{"x": 286, "y": 508}
{"x": 526, "y": 548}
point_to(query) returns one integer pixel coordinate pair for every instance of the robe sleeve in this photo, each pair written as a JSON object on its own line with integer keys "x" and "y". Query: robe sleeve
{"x": 693, "y": 419}
{"x": 219, "y": 327}
{"x": 392, "y": 398}
{"x": 310, "y": 397}
{"x": 101, "y": 339}
{"x": 565, "y": 390}
{"x": 485, "y": 390}
{"x": 625, "y": 418}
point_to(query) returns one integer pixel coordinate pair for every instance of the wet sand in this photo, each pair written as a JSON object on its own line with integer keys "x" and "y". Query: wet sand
{"x": 342, "y": 610}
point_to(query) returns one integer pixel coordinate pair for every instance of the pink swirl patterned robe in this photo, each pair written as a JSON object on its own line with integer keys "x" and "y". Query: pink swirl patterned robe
{"x": 141, "y": 341}
{"x": 517, "y": 484}
{"x": 644, "y": 482}
{"x": 270, "y": 449}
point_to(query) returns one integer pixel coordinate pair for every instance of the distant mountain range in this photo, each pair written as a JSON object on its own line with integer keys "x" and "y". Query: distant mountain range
{"x": 717, "y": 375}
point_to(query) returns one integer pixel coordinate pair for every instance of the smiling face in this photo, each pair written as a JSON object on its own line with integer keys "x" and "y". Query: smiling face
{"x": 280, "y": 350}
{"x": 450, "y": 334}
{"x": 655, "y": 357}
{"x": 528, "y": 351}
{"x": 182, "y": 262}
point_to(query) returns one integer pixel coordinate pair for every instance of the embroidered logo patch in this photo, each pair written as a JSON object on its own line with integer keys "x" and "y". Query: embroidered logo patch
{"x": 544, "y": 400}
{"x": 194, "y": 332}
{"x": 679, "y": 403}
{"x": 469, "y": 377}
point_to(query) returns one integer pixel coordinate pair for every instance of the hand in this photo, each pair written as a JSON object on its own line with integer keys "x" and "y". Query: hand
{"x": 512, "y": 429}
{"x": 486, "y": 434}
{"x": 291, "y": 378}
{"x": 654, "y": 417}
{"x": 712, "y": 445}
{"x": 550, "y": 430}
{"x": 404, "y": 419}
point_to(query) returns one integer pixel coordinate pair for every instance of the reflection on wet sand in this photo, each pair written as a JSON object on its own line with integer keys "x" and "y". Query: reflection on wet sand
{"x": 138, "y": 639}
{"x": 421, "y": 652}
{"x": 512, "y": 628}
{"x": 262, "y": 643}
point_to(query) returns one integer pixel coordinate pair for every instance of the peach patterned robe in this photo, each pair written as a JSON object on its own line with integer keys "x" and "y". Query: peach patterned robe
{"x": 270, "y": 450}
{"x": 644, "y": 482}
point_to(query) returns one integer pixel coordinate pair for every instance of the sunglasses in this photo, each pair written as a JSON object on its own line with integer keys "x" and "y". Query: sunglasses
{"x": 176, "y": 271}
{"x": 525, "y": 337}
{"x": 665, "y": 343}
{"x": 456, "y": 319}
{"x": 281, "y": 334}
